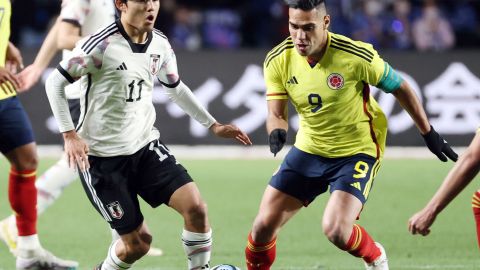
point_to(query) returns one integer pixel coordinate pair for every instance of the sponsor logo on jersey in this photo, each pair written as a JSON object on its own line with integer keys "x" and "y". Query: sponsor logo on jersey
{"x": 115, "y": 210}
{"x": 335, "y": 81}
{"x": 154, "y": 63}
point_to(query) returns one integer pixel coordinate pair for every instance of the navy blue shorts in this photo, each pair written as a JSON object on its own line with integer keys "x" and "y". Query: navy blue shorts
{"x": 15, "y": 127}
{"x": 305, "y": 176}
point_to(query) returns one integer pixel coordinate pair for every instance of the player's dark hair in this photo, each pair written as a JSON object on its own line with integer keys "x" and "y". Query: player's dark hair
{"x": 305, "y": 5}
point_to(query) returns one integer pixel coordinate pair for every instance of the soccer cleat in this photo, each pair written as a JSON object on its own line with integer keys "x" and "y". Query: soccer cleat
{"x": 154, "y": 252}
{"x": 381, "y": 263}
{"x": 41, "y": 259}
{"x": 9, "y": 233}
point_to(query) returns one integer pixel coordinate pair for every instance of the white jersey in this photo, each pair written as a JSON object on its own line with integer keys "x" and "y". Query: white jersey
{"x": 89, "y": 16}
{"x": 117, "y": 79}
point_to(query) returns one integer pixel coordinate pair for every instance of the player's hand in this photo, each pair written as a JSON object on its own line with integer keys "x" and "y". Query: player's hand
{"x": 420, "y": 222}
{"x": 76, "y": 150}
{"x": 29, "y": 77}
{"x": 14, "y": 58}
{"x": 7, "y": 76}
{"x": 230, "y": 131}
{"x": 439, "y": 146}
{"x": 276, "y": 140}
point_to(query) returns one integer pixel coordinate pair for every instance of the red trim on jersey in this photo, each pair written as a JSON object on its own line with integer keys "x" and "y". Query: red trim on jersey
{"x": 276, "y": 94}
{"x": 366, "y": 98}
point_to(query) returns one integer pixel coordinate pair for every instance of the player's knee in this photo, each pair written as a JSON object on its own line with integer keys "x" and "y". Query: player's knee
{"x": 146, "y": 237}
{"x": 136, "y": 249}
{"x": 196, "y": 213}
{"x": 335, "y": 232}
{"x": 26, "y": 162}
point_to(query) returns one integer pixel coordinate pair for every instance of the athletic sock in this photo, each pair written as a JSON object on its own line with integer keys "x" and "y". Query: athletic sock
{"x": 51, "y": 183}
{"x": 197, "y": 247}
{"x": 260, "y": 256}
{"x": 112, "y": 262}
{"x": 362, "y": 245}
{"x": 22, "y": 195}
{"x": 476, "y": 213}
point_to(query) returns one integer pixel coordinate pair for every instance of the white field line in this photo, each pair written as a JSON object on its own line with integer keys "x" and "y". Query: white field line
{"x": 253, "y": 152}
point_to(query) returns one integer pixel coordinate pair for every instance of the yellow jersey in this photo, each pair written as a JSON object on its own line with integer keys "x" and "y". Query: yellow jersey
{"x": 6, "y": 89}
{"x": 338, "y": 116}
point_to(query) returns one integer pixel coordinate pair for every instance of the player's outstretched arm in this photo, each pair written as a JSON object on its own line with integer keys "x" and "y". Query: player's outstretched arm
{"x": 437, "y": 145}
{"x": 457, "y": 179}
{"x": 230, "y": 131}
{"x": 14, "y": 58}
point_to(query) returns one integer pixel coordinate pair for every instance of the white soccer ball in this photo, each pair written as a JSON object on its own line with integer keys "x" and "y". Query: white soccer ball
{"x": 225, "y": 267}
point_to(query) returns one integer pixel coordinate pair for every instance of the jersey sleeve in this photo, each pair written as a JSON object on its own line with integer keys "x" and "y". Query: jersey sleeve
{"x": 84, "y": 59}
{"x": 75, "y": 11}
{"x": 273, "y": 81}
{"x": 379, "y": 73}
{"x": 168, "y": 73}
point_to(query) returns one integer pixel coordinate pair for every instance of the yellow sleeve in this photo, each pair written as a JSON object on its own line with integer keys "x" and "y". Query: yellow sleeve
{"x": 373, "y": 71}
{"x": 273, "y": 82}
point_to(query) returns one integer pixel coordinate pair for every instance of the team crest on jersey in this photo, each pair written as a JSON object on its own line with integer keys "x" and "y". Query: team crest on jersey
{"x": 335, "y": 81}
{"x": 154, "y": 63}
{"x": 115, "y": 210}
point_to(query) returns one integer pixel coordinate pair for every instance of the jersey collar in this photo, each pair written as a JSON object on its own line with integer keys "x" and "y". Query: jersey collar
{"x": 133, "y": 46}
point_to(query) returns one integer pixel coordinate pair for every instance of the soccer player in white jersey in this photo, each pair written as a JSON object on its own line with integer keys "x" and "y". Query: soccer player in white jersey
{"x": 126, "y": 159}
{"x": 77, "y": 18}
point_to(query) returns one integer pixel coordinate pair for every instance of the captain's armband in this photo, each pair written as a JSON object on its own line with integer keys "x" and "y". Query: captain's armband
{"x": 390, "y": 80}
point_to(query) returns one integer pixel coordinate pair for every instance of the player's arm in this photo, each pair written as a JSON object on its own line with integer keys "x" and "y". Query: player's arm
{"x": 457, "y": 179}
{"x": 68, "y": 34}
{"x": 381, "y": 74}
{"x": 181, "y": 94}
{"x": 277, "y": 105}
{"x": 67, "y": 72}
{"x": 14, "y": 58}
{"x": 31, "y": 74}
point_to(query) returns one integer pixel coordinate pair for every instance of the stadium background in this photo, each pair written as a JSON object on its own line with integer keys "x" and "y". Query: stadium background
{"x": 220, "y": 47}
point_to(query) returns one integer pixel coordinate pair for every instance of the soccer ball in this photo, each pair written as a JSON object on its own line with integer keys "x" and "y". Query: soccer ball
{"x": 225, "y": 267}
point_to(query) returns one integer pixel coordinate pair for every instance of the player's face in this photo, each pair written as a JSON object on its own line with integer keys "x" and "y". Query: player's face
{"x": 141, "y": 14}
{"x": 308, "y": 30}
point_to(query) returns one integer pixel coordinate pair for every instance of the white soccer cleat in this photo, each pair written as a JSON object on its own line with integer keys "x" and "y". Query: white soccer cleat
{"x": 41, "y": 259}
{"x": 154, "y": 252}
{"x": 381, "y": 263}
{"x": 9, "y": 233}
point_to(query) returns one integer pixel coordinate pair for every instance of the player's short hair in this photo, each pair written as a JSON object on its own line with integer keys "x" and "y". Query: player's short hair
{"x": 305, "y": 5}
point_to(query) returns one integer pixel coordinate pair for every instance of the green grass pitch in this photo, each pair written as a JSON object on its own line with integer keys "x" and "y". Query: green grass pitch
{"x": 233, "y": 188}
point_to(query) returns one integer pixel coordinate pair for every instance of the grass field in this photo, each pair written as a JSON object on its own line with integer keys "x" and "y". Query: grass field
{"x": 233, "y": 188}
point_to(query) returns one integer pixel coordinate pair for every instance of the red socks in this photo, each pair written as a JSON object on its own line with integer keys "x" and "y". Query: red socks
{"x": 362, "y": 245}
{"x": 476, "y": 213}
{"x": 22, "y": 195}
{"x": 260, "y": 256}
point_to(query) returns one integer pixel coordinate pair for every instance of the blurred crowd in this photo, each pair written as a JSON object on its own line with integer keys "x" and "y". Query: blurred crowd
{"x": 425, "y": 25}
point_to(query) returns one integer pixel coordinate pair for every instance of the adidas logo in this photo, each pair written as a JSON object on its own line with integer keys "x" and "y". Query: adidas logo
{"x": 356, "y": 185}
{"x": 292, "y": 80}
{"x": 122, "y": 66}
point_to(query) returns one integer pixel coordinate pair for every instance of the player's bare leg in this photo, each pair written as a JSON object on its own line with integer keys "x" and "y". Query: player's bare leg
{"x": 338, "y": 225}
{"x": 197, "y": 234}
{"x": 275, "y": 210}
{"x": 22, "y": 197}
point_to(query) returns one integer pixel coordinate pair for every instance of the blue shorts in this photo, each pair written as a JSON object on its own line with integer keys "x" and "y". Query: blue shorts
{"x": 15, "y": 127}
{"x": 305, "y": 176}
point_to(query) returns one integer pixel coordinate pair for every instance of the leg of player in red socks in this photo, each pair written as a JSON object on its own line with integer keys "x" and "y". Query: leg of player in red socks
{"x": 22, "y": 195}
{"x": 260, "y": 256}
{"x": 362, "y": 245}
{"x": 476, "y": 212}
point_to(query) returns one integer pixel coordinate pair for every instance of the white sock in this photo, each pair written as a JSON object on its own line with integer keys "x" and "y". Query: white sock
{"x": 112, "y": 262}
{"x": 27, "y": 245}
{"x": 51, "y": 183}
{"x": 115, "y": 235}
{"x": 198, "y": 247}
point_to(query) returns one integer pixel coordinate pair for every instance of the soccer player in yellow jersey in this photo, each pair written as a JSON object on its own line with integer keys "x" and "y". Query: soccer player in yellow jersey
{"x": 457, "y": 179}
{"x": 341, "y": 139}
{"x": 18, "y": 145}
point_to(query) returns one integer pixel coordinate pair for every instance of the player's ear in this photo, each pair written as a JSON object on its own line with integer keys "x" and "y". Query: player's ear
{"x": 120, "y": 5}
{"x": 326, "y": 22}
